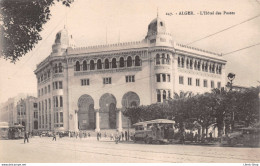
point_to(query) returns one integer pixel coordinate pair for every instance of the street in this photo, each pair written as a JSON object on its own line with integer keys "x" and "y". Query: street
{"x": 89, "y": 150}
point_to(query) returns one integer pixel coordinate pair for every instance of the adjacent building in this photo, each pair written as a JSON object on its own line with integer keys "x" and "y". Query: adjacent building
{"x": 87, "y": 88}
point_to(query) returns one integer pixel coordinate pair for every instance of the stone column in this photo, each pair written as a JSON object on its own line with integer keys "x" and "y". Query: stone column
{"x": 97, "y": 121}
{"x": 119, "y": 128}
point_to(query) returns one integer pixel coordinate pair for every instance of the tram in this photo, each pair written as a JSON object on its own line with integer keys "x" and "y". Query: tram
{"x": 16, "y": 132}
{"x": 4, "y": 128}
{"x": 158, "y": 130}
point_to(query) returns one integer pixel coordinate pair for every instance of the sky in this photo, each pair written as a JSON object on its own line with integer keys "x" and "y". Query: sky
{"x": 101, "y": 21}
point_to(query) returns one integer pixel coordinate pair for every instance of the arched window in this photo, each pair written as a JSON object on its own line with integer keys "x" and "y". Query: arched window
{"x": 92, "y": 65}
{"x": 195, "y": 64}
{"x": 106, "y": 64}
{"x": 163, "y": 59}
{"x": 198, "y": 65}
{"x": 182, "y": 62}
{"x": 213, "y": 68}
{"x": 77, "y": 66}
{"x": 99, "y": 64}
{"x": 60, "y": 68}
{"x": 169, "y": 94}
{"x": 114, "y": 63}
{"x": 206, "y": 67}
{"x": 191, "y": 63}
{"x": 164, "y": 95}
{"x": 129, "y": 61}
{"x": 56, "y": 68}
{"x": 179, "y": 61}
{"x": 84, "y": 65}
{"x": 187, "y": 63}
{"x": 158, "y": 96}
{"x": 202, "y": 66}
{"x": 137, "y": 61}
{"x": 168, "y": 59}
{"x": 121, "y": 62}
{"x": 157, "y": 59}
{"x": 219, "y": 70}
{"x": 210, "y": 68}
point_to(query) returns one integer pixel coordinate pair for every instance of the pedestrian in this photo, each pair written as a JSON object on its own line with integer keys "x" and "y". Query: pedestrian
{"x": 98, "y": 136}
{"x": 210, "y": 137}
{"x": 26, "y": 137}
{"x": 126, "y": 138}
{"x": 111, "y": 136}
{"x": 105, "y": 135}
{"x": 54, "y": 136}
{"x": 89, "y": 135}
{"x": 123, "y": 135}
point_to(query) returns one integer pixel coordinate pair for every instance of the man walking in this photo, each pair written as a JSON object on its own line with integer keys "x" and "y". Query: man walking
{"x": 26, "y": 137}
{"x": 54, "y": 136}
{"x": 126, "y": 138}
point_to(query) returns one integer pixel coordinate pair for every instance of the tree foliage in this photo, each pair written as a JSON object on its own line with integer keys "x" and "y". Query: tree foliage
{"x": 219, "y": 108}
{"x": 21, "y": 23}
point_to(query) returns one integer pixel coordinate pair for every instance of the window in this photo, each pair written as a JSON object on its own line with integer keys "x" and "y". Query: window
{"x": 61, "y": 117}
{"x": 179, "y": 61}
{"x": 84, "y": 65}
{"x": 164, "y": 95}
{"x": 191, "y": 64}
{"x": 77, "y": 66}
{"x": 189, "y": 81}
{"x": 99, "y": 64}
{"x": 157, "y": 59}
{"x": 114, "y": 63}
{"x": 129, "y": 61}
{"x": 181, "y": 80}
{"x": 161, "y": 23}
{"x": 163, "y": 58}
{"x": 60, "y": 85}
{"x": 34, "y": 105}
{"x": 205, "y": 83}
{"x": 168, "y": 78}
{"x": 57, "y": 117}
{"x": 121, "y": 62}
{"x": 164, "y": 77}
{"x": 45, "y": 90}
{"x": 219, "y": 85}
{"x": 212, "y": 84}
{"x": 57, "y": 102}
{"x": 130, "y": 78}
{"x": 61, "y": 101}
{"x": 158, "y": 96}
{"x": 106, "y": 64}
{"x": 187, "y": 63}
{"x": 197, "y": 82}
{"x": 55, "y": 68}
{"x": 84, "y": 82}
{"x": 107, "y": 80}
{"x": 60, "y": 68}
{"x": 158, "y": 77}
{"x": 137, "y": 61}
{"x": 39, "y": 93}
{"x": 49, "y": 88}
{"x": 42, "y": 91}
{"x": 49, "y": 103}
{"x": 92, "y": 65}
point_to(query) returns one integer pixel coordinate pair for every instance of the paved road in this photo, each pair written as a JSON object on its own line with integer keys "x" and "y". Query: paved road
{"x": 73, "y": 150}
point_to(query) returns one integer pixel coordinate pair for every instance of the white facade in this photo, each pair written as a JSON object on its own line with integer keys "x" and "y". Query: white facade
{"x": 88, "y": 88}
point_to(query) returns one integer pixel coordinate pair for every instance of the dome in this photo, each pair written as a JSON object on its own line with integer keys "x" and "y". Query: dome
{"x": 156, "y": 25}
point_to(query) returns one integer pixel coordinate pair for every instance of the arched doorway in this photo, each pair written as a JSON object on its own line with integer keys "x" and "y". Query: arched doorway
{"x": 130, "y": 99}
{"x": 86, "y": 113}
{"x": 108, "y": 112}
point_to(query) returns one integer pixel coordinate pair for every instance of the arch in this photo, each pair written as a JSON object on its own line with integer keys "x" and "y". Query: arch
{"x": 121, "y": 62}
{"x": 198, "y": 65}
{"x": 163, "y": 58}
{"x": 182, "y": 62}
{"x": 92, "y": 65}
{"x": 106, "y": 64}
{"x": 157, "y": 59}
{"x": 99, "y": 64}
{"x": 55, "y": 68}
{"x": 179, "y": 61}
{"x": 137, "y": 61}
{"x": 195, "y": 64}
{"x": 187, "y": 63}
{"x": 84, "y": 65}
{"x": 86, "y": 112}
{"x": 129, "y": 61}
{"x": 191, "y": 63}
{"x": 107, "y": 103}
{"x": 168, "y": 59}
{"x": 130, "y": 99}
{"x": 77, "y": 66}
{"x": 114, "y": 63}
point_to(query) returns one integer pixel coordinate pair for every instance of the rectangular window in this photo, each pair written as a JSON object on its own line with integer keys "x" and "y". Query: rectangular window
{"x": 34, "y": 105}
{"x": 60, "y": 85}
{"x": 197, "y": 82}
{"x": 181, "y": 80}
{"x": 57, "y": 117}
{"x": 49, "y": 88}
{"x": 158, "y": 77}
{"x": 205, "y": 83}
{"x": 219, "y": 85}
{"x": 130, "y": 78}
{"x": 168, "y": 78}
{"x": 107, "y": 80}
{"x": 56, "y": 85}
{"x": 61, "y": 117}
{"x": 49, "y": 103}
{"x": 45, "y": 89}
{"x": 189, "y": 81}
{"x": 164, "y": 77}
{"x": 212, "y": 84}
{"x": 84, "y": 82}
{"x": 42, "y": 91}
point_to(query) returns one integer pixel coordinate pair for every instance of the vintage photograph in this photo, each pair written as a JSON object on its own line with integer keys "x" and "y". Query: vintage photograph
{"x": 129, "y": 81}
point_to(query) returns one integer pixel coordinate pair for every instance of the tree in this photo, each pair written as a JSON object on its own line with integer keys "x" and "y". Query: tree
{"x": 21, "y": 23}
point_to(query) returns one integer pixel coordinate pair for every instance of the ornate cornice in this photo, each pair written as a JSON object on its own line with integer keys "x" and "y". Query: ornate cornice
{"x": 199, "y": 73}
